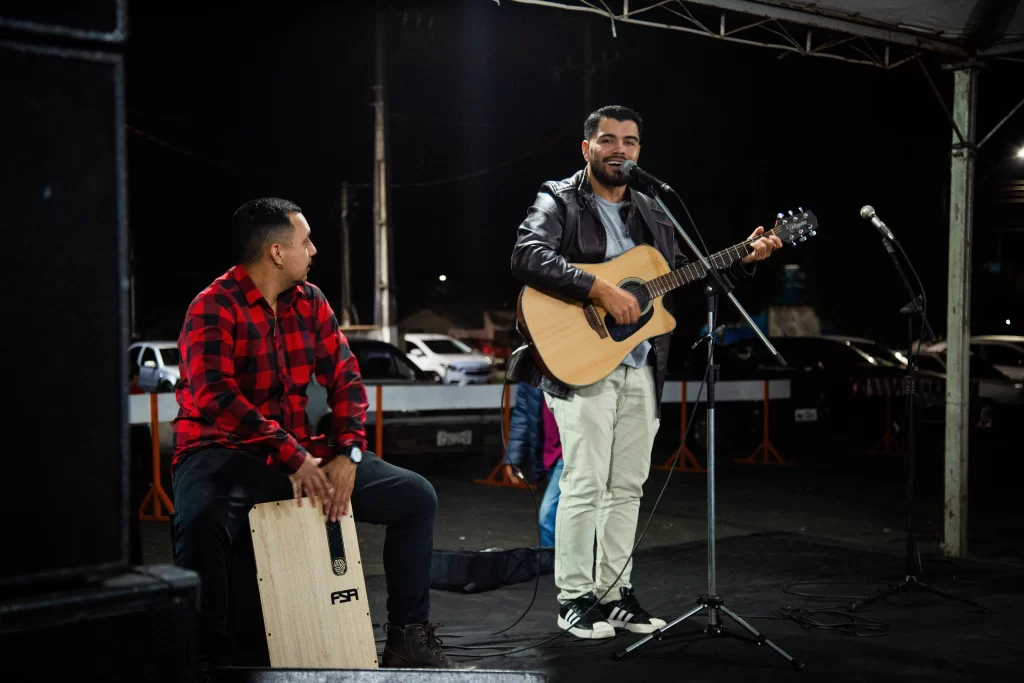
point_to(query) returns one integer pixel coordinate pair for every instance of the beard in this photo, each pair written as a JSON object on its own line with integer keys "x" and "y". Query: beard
{"x": 302, "y": 279}
{"x": 609, "y": 176}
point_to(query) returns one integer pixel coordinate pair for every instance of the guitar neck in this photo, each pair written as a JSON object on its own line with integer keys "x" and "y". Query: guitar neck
{"x": 693, "y": 272}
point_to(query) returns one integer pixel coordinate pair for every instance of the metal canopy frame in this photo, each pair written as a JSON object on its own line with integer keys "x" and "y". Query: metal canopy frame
{"x": 817, "y": 30}
{"x": 810, "y": 31}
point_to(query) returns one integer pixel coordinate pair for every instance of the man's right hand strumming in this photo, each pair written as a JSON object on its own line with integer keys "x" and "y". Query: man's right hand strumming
{"x": 619, "y": 303}
{"x": 311, "y": 481}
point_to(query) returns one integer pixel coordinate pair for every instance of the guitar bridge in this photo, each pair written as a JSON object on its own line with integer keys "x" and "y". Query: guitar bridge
{"x": 595, "y": 321}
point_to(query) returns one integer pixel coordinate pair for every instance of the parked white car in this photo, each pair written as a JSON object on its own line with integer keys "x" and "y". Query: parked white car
{"x": 456, "y": 362}
{"x": 1004, "y": 352}
{"x": 156, "y": 364}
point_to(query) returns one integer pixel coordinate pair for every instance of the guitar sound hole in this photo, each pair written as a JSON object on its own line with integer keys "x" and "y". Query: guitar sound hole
{"x": 638, "y": 290}
{"x": 620, "y": 332}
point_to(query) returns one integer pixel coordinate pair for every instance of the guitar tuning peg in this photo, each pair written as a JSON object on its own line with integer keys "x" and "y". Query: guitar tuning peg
{"x": 800, "y": 209}
{"x": 780, "y": 215}
{"x": 812, "y": 233}
{"x": 790, "y": 213}
{"x": 803, "y": 239}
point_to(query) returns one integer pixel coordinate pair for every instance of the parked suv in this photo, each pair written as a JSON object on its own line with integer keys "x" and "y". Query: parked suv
{"x": 156, "y": 364}
{"x": 456, "y": 362}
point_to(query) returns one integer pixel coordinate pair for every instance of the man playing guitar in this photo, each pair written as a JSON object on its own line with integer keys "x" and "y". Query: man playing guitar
{"x": 607, "y": 427}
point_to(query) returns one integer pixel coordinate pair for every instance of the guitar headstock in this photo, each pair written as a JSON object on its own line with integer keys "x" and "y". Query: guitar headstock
{"x": 796, "y": 226}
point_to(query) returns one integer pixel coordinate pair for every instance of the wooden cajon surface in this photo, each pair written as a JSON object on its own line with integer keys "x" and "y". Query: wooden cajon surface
{"x": 315, "y": 608}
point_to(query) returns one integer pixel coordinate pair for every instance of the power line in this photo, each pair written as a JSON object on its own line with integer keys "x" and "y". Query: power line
{"x": 334, "y": 183}
{"x": 485, "y": 171}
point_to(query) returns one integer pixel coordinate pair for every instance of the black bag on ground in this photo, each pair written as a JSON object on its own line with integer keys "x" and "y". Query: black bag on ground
{"x": 474, "y": 571}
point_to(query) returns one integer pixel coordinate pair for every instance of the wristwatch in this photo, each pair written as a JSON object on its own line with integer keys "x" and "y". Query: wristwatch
{"x": 356, "y": 455}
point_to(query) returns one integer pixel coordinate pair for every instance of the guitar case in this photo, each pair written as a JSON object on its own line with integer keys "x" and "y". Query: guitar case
{"x": 475, "y": 571}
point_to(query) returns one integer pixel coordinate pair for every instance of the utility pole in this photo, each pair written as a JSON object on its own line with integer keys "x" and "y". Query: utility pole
{"x": 381, "y": 234}
{"x": 132, "y": 319}
{"x": 346, "y": 262}
{"x": 958, "y": 309}
{"x": 588, "y": 71}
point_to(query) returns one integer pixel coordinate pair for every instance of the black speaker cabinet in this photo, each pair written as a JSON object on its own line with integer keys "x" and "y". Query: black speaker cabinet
{"x": 63, "y": 193}
{"x": 137, "y": 626}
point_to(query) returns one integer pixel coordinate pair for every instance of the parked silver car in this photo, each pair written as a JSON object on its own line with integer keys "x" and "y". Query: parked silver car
{"x": 156, "y": 364}
{"x": 410, "y": 432}
{"x": 994, "y": 392}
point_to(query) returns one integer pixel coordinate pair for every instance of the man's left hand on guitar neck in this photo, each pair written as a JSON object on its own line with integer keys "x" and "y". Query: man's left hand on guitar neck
{"x": 762, "y": 248}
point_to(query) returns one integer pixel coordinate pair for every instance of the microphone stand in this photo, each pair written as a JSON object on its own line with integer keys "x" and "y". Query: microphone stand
{"x": 910, "y": 582}
{"x": 713, "y": 602}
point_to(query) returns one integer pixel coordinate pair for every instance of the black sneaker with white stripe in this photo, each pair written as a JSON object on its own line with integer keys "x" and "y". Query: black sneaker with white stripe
{"x": 627, "y": 613}
{"x": 582, "y": 617}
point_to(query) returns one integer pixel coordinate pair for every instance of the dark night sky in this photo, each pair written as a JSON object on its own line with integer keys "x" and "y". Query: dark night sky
{"x": 278, "y": 103}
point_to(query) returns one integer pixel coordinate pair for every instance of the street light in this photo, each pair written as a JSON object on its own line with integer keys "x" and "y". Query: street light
{"x": 442, "y": 278}
{"x": 1020, "y": 153}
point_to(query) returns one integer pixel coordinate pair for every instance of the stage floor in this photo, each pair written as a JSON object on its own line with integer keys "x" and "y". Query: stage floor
{"x": 921, "y": 637}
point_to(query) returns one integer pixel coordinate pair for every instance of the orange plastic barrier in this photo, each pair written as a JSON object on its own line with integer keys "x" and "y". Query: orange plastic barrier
{"x": 887, "y": 445}
{"x": 156, "y": 493}
{"x": 499, "y": 476}
{"x": 765, "y": 453}
{"x": 687, "y": 462}
{"x": 380, "y": 422}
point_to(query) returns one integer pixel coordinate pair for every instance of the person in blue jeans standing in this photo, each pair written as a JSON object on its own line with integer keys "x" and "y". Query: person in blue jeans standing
{"x": 552, "y": 458}
{"x": 533, "y": 438}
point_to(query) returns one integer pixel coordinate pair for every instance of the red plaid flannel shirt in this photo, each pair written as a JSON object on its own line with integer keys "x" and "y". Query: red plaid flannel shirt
{"x": 244, "y": 374}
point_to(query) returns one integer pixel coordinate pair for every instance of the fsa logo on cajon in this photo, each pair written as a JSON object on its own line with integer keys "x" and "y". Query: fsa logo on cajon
{"x": 347, "y": 595}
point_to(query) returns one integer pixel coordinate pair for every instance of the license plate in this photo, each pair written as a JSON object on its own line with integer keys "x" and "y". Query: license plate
{"x": 805, "y": 415}
{"x": 463, "y": 438}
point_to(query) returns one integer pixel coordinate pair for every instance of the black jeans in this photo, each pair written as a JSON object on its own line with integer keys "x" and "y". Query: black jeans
{"x": 215, "y": 488}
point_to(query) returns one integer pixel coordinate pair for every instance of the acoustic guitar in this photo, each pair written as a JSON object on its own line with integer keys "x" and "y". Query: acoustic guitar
{"x": 579, "y": 344}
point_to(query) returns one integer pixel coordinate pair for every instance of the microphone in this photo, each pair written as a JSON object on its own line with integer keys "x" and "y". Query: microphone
{"x": 867, "y": 212}
{"x": 634, "y": 172}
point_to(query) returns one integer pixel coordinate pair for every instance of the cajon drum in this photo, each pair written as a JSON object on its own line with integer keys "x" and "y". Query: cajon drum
{"x": 311, "y": 587}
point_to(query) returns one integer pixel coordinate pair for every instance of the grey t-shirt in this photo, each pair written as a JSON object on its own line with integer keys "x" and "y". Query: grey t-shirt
{"x": 618, "y": 242}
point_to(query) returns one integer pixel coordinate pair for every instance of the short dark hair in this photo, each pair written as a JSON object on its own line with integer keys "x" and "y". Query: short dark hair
{"x": 260, "y": 222}
{"x": 612, "y": 112}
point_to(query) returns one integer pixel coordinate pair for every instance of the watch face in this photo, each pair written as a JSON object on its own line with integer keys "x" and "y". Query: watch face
{"x": 356, "y": 455}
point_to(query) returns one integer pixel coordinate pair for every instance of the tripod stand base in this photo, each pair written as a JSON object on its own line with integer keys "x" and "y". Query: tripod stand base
{"x": 715, "y": 628}
{"x": 911, "y": 585}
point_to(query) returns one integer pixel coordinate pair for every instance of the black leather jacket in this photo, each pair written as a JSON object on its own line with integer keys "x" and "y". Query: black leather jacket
{"x": 562, "y": 227}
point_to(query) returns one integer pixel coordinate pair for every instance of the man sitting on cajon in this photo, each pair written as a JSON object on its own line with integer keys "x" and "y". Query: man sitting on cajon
{"x": 249, "y": 346}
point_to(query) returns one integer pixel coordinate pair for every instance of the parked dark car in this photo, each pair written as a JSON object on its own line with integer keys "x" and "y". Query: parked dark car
{"x": 409, "y": 432}
{"x": 996, "y": 400}
{"x": 839, "y": 390}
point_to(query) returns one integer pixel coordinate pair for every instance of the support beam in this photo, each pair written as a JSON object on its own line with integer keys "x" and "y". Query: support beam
{"x": 799, "y": 16}
{"x": 958, "y": 310}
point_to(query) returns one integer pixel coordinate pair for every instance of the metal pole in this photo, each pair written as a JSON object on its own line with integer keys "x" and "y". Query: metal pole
{"x": 712, "y": 560}
{"x": 346, "y": 261}
{"x": 382, "y": 293}
{"x": 133, "y": 321}
{"x": 958, "y": 310}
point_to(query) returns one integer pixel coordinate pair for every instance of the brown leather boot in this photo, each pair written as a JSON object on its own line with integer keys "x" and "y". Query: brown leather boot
{"x": 415, "y": 646}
